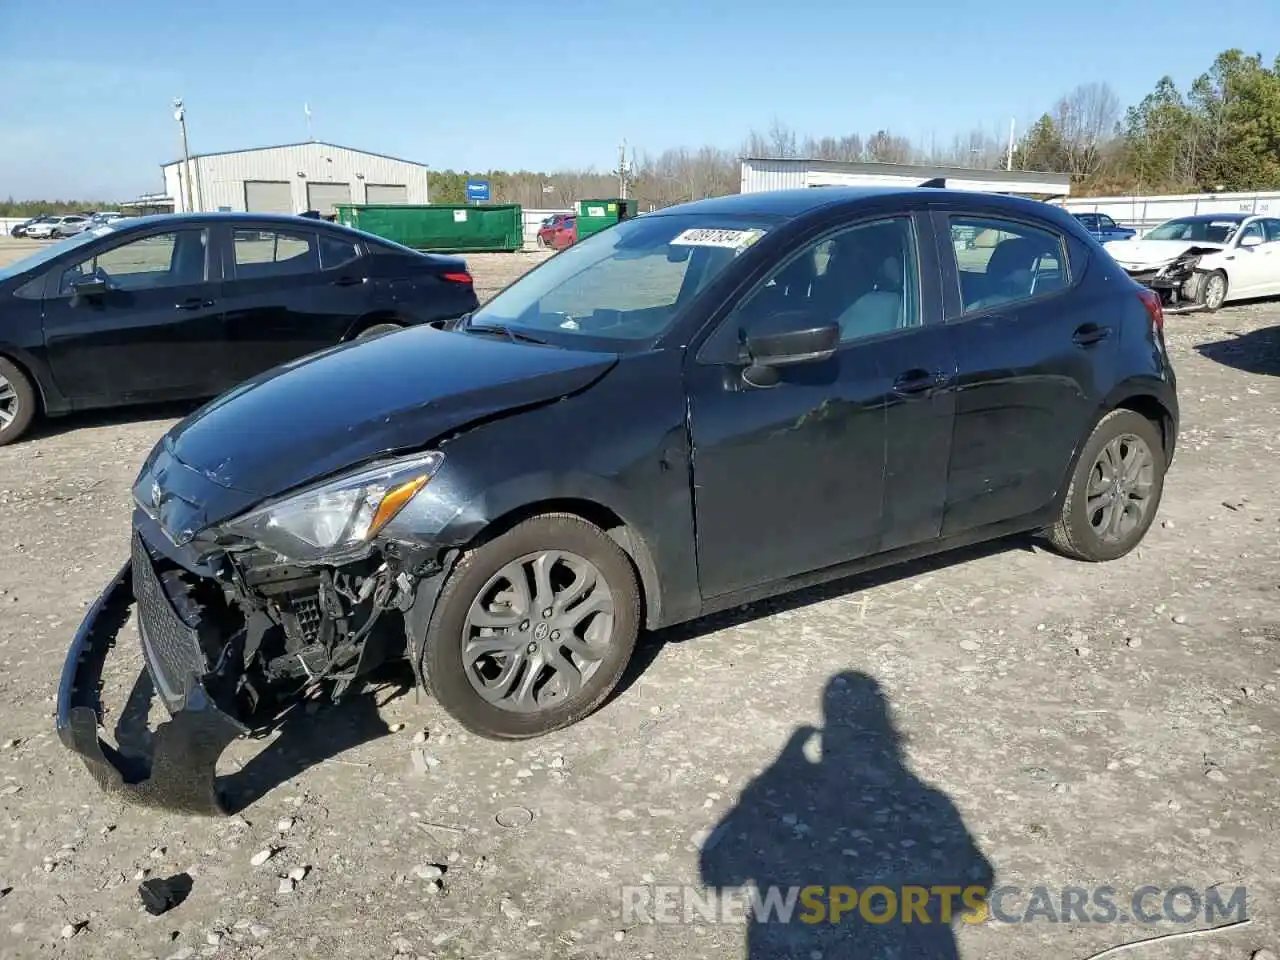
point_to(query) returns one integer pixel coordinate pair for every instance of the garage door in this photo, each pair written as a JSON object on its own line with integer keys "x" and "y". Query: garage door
{"x": 386, "y": 193}
{"x": 268, "y": 196}
{"x": 323, "y": 197}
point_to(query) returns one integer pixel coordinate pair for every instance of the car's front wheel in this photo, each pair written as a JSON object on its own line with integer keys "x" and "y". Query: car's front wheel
{"x": 17, "y": 402}
{"x": 1213, "y": 291}
{"x": 533, "y": 629}
{"x": 1115, "y": 490}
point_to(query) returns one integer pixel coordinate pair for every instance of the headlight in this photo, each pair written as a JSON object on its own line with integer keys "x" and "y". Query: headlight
{"x": 339, "y": 516}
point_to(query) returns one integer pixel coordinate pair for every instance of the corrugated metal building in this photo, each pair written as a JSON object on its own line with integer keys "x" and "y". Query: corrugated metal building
{"x": 764, "y": 173}
{"x": 293, "y": 178}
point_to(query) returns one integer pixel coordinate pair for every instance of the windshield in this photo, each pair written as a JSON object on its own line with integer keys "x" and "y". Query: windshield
{"x": 45, "y": 254}
{"x": 627, "y": 282}
{"x": 1198, "y": 231}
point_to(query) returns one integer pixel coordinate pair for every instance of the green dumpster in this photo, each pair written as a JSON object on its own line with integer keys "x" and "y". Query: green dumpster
{"x": 441, "y": 227}
{"x": 597, "y": 215}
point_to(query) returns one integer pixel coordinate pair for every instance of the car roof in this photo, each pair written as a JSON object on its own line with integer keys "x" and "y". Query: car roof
{"x": 283, "y": 219}
{"x": 795, "y": 203}
{"x": 1211, "y": 217}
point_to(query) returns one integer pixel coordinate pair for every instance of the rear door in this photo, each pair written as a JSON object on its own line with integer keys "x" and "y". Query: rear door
{"x": 156, "y": 334}
{"x": 1036, "y": 348}
{"x": 288, "y": 292}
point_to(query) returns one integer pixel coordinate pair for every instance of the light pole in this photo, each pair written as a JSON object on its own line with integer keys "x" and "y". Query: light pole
{"x": 180, "y": 115}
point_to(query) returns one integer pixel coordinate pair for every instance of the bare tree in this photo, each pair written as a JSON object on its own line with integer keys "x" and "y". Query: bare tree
{"x": 1085, "y": 120}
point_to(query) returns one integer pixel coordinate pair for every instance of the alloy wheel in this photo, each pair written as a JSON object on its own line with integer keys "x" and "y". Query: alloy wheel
{"x": 1215, "y": 292}
{"x": 537, "y": 631}
{"x": 1120, "y": 487}
{"x": 9, "y": 402}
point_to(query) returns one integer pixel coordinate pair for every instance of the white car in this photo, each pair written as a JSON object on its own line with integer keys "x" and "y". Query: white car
{"x": 58, "y": 227}
{"x": 1208, "y": 259}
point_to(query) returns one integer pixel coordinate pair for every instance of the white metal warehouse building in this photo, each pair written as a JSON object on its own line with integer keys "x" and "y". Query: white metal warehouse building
{"x": 292, "y": 178}
{"x": 764, "y": 173}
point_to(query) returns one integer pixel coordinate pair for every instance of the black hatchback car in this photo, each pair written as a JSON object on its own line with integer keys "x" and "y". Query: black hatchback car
{"x": 178, "y": 307}
{"x": 693, "y": 409}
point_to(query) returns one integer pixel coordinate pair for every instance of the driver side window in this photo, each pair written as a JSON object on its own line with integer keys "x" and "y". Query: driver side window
{"x": 1253, "y": 230}
{"x": 156, "y": 262}
{"x": 862, "y": 279}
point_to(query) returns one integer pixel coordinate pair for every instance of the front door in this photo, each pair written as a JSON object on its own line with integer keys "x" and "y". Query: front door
{"x": 1033, "y": 356}
{"x": 1249, "y": 269}
{"x": 156, "y": 334}
{"x": 791, "y": 478}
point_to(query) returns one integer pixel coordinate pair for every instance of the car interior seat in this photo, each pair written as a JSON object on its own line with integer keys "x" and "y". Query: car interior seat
{"x": 871, "y": 284}
{"x": 1017, "y": 270}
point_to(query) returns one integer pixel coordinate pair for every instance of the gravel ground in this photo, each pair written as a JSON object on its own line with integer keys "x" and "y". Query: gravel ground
{"x": 1058, "y": 724}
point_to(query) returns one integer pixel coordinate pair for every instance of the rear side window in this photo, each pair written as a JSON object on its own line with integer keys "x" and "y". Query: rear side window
{"x": 337, "y": 252}
{"x": 1000, "y": 261}
{"x": 274, "y": 253}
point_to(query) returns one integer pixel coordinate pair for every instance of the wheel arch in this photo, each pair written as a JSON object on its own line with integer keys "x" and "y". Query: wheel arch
{"x": 626, "y": 535}
{"x": 29, "y": 370}
{"x": 372, "y": 318}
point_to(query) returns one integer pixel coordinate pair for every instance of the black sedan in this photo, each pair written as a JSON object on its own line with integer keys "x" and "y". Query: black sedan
{"x": 688, "y": 411}
{"x": 181, "y": 307}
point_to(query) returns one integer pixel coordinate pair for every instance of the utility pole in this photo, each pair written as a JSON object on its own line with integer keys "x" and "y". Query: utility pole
{"x": 622, "y": 171}
{"x": 180, "y": 115}
{"x": 1009, "y": 160}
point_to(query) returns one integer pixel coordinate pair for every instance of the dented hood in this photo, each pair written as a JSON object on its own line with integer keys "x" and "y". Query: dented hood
{"x": 344, "y": 406}
{"x": 1146, "y": 254}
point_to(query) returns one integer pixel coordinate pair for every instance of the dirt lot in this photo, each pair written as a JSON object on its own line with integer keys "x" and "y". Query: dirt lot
{"x": 1107, "y": 725}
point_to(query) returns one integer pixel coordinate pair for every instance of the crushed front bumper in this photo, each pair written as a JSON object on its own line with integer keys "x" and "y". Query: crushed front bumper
{"x": 187, "y": 746}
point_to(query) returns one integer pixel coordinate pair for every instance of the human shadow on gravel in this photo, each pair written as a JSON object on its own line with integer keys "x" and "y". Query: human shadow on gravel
{"x": 1257, "y": 351}
{"x": 300, "y": 735}
{"x": 842, "y": 825}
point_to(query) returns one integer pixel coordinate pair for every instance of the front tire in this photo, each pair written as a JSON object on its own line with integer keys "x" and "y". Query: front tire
{"x": 18, "y": 402}
{"x": 1115, "y": 489}
{"x": 533, "y": 629}
{"x": 1213, "y": 291}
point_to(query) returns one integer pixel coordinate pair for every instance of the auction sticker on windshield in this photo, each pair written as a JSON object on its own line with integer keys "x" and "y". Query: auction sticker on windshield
{"x": 706, "y": 237}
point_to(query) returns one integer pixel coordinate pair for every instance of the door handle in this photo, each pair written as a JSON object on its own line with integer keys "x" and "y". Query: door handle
{"x": 1088, "y": 334}
{"x": 193, "y": 303}
{"x": 914, "y": 383}
{"x": 348, "y": 281}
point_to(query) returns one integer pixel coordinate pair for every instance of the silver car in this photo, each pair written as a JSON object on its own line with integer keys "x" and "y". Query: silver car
{"x": 70, "y": 225}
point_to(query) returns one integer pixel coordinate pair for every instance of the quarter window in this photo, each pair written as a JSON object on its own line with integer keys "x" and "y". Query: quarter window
{"x": 1006, "y": 262}
{"x": 274, "y": 253}
{"x": 162, "y": 260}
{"x": 863, "y": 279}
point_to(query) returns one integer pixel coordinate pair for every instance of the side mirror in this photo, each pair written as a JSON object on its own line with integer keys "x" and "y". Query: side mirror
{"x": 767, "y": 352}
{"x": 94, "y": 285}
{"x": 1252, "y": 240}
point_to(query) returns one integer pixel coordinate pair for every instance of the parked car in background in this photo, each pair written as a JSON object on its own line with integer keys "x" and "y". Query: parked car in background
{"x": 1206, "y": 260}
{"x": 185, "y": 306}
{"x": 21, "y": 229}
{"x": 558, "y": 232}
{"x": 1103, "y": 228}
{"x": 58, "y": 227}
{"x": 684, "y": 413}
{"x": 107, "y": 216}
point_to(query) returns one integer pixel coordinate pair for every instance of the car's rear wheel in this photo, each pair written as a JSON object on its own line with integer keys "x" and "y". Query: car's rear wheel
{"x": 1115, "y": 490}
{"x": 533, "y": 629}
{"x": 18, "y": 402}
{"x": 1213, "y": 291}
{"x": 377, "y": 330}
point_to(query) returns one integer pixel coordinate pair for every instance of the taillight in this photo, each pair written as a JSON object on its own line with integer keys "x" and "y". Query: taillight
{"x": 460, "y": 276}
{"x": 1151, "y": 300}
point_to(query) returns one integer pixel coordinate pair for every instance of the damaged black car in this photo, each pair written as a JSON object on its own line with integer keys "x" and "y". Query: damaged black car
{"x": 692, "y": 410}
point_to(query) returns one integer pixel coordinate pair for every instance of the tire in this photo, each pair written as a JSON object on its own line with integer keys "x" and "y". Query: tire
{"x": 453, "y": 680}
{"x": 1218, "y": 282}
{"x": 542, "y": 243}
{"x": 1077, "y": 532}
{"x": 377, "y": 330}
{"x": 18, "y": 402}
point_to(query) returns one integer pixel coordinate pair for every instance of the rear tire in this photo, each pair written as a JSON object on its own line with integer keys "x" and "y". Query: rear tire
{"x": 1115, "y": 489}
{"x": 478, "y": 590}
{"x": 18, "y": 402}
{"x": 377, "y": 330}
